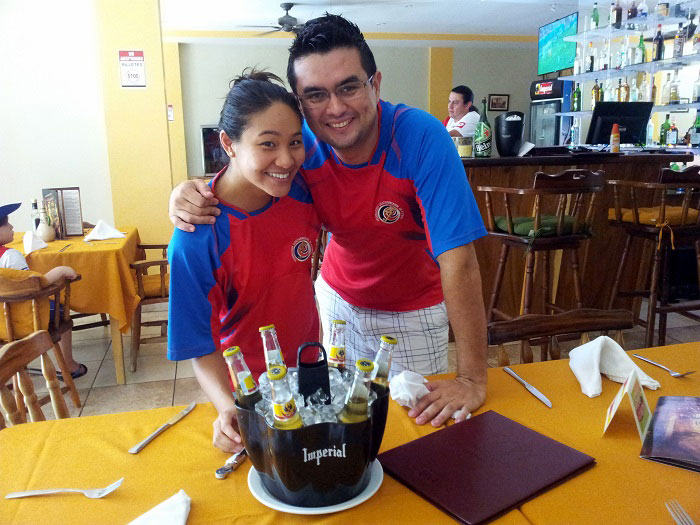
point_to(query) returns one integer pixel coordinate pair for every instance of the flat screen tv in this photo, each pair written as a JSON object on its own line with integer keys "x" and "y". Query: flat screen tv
{"x": 214, "y": 158}
{"x": 553, "y": 52}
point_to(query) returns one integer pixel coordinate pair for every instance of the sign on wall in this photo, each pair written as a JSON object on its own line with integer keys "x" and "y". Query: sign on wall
{"x": 133, "y": 68}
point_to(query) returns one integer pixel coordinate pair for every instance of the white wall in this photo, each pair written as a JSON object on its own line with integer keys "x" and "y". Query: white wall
{"x": 507, "y": 71}
{"x": 207, "y": 68}
{"x": 52, "y": 128}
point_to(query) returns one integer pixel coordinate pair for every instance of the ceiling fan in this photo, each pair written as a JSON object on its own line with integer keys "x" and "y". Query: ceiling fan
{"x": 286, "y": 23}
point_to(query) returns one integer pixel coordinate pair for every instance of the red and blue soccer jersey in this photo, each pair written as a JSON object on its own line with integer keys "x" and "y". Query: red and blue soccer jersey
{"x": 391, "y": 218}
{"x": 246, "y": 271}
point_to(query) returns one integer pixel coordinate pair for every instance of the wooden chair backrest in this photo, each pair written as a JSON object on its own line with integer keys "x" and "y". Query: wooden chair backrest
{"x": 142, "y": 268}
{"x": 573, "y": 192}
{"x": 533, "y": 326}
{"x": 662, "y": 194}
{"x": 14, "y": 357}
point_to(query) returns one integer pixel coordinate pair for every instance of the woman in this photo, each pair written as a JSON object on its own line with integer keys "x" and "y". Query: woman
{"x": 252, "y": 266}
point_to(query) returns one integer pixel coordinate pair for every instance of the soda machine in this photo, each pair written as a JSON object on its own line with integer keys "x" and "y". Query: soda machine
{"x": 550, "y": 97}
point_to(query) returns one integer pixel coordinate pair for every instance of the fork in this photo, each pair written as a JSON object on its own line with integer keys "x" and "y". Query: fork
{"x": 674, "y": 374}
{"x": 678, "y": 513}
{"x": 90, "y": 493}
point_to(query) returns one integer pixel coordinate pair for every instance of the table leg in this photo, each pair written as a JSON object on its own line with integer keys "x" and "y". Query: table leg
{"x": 117, "y": 350}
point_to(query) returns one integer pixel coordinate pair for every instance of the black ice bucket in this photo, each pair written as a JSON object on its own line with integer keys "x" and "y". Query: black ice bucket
{"x": 318, "y": 465}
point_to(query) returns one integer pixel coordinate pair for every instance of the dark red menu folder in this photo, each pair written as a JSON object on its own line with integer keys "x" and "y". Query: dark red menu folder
{"x": 482, "y": 467}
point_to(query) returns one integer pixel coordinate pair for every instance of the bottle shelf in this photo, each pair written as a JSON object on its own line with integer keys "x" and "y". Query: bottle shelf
{"x": 576, "y": 114}
{"x": 641, "y": 25}
{"x": 665, "y": 108}
{"x": 648, "y": 67}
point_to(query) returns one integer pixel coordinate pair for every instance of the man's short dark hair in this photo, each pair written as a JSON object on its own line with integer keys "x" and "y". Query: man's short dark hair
{"x": 467, "y": 94}
{"x": 324, "y": 34}
{"x": 4, "y": 220}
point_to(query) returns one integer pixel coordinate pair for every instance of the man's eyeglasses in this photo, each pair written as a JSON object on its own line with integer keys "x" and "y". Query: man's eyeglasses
{"x": 345, "y": 92}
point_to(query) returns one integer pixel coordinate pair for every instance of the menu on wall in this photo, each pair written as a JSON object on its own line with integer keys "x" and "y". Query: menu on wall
{"x": 64, "y": 210}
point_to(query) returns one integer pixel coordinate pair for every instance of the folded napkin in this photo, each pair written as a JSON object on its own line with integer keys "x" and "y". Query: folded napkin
{"x": 103, "y": 231}
{"x": 604, "y": 356}
{"x": 173, "y": 511}
{"x": 408, "y": 387}
{"x": 32, "y": 243}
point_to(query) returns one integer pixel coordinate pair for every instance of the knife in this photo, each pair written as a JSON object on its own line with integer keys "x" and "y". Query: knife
{"x": 177, "y": 417}
{"x": 539, "y": 395}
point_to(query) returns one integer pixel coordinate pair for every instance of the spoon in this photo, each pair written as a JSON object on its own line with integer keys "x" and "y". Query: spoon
{"x": 674, "y": 374}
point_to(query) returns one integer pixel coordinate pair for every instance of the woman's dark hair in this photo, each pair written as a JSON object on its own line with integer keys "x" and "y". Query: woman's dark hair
{"x": 325, "y": 34}
{"x": 250, "y": 93}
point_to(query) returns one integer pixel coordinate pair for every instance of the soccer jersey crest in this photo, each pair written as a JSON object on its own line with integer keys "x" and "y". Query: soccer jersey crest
{"x": 301, "y": 249}
{"x": 388, "y": 212}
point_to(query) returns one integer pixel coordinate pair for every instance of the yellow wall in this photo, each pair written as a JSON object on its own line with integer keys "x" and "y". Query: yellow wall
{"x": 439, "y": 80}
{"x": 176, "y": 127}
{"x": 135, "y": 118}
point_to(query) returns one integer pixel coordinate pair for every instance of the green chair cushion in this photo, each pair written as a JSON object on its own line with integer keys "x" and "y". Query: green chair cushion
{"x": 548, "y": 225}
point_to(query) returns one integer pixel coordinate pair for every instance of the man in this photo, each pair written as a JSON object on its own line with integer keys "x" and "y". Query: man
{"x": 388, "y": 185}
{"x": 463, "y": 116}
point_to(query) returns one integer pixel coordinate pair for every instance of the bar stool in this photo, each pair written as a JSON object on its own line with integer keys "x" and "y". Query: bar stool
{"x": 671, "y": 221}
{"x": 562, "y": 213}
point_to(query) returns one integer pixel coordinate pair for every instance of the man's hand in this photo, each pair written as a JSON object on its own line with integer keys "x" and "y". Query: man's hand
{"x": 447, "y": 396}
{"x": 192, "y": 202}
{"x": 226, "y": 436}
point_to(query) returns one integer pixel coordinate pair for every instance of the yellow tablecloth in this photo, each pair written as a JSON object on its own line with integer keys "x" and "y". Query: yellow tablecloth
{"x": 92, "y": 452}
{"x": 107, "y": 285}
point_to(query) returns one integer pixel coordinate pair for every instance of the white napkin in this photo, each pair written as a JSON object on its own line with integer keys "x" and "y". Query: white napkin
{"x": 407, "y": 388}
{"x": 103, "y": 231}
{"x": 603, "y": 355}
{"x": 32, "y": 243}
{"x": 173, "y": 511}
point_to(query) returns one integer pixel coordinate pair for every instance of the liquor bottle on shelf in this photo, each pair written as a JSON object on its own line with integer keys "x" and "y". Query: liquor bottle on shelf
{"x": 618, "y": 91}
{"x": 662, "y": 9}
{"x": 694, "y": 132}
{"x": 625, "y": 92}
{"x": 590, "y": 59}
{"x": 696, "y": 89}
{"x": 657, "y": 52}
{"x": 652, "y": 90}
{"x": 595, "y": 17}
{"x": 672, "y": 135}
{"x": 642, "y": 10}
{"x": 575, "y": 133}
{"x": 674, "y": 96}
{"x": 576, "y": 99}
{"x": 663, "y": 131}
{"x": 640, "y": 51}
{"x": 620, "y": 57}
{"x": 696, "y": 43}
{"x": 609, "y": 95}
{"x": 616, "y": 16}
{"x": 611, "y": 15}
{"x": 634, "y": 91}
{"x": 650, "y": 133}
{"x": 679, "y": 42}
{"x": 642, "y": 96}
{"x": 631, "y": 52}
{"x": 595, "y": 94}
{"x": 604, "y": 56}
{"x": 632, "y": 15}
{"x": 666, "y": 91}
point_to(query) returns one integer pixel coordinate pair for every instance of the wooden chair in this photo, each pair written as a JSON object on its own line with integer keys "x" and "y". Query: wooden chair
{"x": 14, "y": 358}
{"x": 561, "y": 218}
{"x": 152, "y": 289}
{"x": 534, "y": 328}
{"x": 25, "y": 309}
{"x": 672, "y": 220}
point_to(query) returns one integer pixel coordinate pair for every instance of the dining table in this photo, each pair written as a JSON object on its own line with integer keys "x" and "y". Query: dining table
{"x": 91, "y": 452}
{"x": 107, "y": 284}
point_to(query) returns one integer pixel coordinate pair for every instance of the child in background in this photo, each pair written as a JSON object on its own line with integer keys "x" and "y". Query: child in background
{"x": 252, "y": 266}
{"x": 11, "y": 258}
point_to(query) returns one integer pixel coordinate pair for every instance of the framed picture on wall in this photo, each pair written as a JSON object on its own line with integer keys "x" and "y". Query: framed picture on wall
{"x": 499, "y": 102}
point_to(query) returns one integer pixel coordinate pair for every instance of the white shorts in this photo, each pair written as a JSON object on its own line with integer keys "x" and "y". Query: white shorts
{"x": 422, "y": 334}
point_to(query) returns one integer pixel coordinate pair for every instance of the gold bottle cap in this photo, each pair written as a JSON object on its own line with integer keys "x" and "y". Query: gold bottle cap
{"x": 232, "y": 351}
{"x": 388, "y": 339}
{"x": 268, "y": 327}
{"x": 338, "y": 321}
{"x": 277, "y": 372}
{"x": 365, "y": 365}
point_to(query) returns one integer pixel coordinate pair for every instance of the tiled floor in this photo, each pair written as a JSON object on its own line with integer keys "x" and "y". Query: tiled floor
{"x": 158, "y": 382}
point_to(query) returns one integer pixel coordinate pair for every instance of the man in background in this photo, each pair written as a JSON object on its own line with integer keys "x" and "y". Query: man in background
{"x": 463, "y": 116}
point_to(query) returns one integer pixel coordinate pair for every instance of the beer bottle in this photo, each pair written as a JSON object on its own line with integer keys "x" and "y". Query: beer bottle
{"x": 357, "y": 398}
{"x": 336, "y": 356}
{"x": 271, "y": 346}
{"x": 482, "y": 135}
{"x": 382, "y": 361}
{"x": 284, "y": 409}
{"x": 576, "y": 99}
{"x": 663, "y": 132}
{"x": 245, "y": 388}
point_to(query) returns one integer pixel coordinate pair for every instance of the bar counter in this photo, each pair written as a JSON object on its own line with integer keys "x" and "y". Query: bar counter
{"x": 598, "y": 256}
